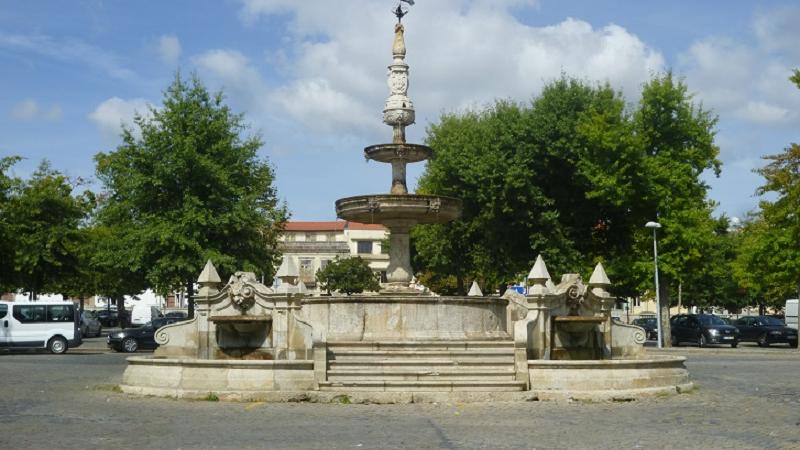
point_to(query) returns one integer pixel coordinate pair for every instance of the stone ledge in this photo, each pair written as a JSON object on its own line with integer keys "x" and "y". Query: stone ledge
{"x": 366, "y": 397}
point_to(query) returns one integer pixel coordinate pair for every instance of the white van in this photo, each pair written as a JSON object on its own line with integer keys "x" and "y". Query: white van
{"x": 141, "y": 314}
{"x": 51, "y": 325}
{"x": 791, "y": 313}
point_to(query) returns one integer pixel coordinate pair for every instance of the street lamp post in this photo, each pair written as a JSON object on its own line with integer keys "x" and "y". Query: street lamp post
{"x": 655, "y": 226}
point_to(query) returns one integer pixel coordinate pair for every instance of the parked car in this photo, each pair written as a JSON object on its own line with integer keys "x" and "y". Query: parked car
{"x": 766, "y": 330}
{"x": 90, "y": 326}
{"x": 650, "y": 325}
{"x": 133, "y": 339}
{"x": 141, "y": 314}
{"x": 176, "y": 315}
{"x": 54, "y": 326}
{"x": 107, "y": 317}
{"x": 702, "y": 329}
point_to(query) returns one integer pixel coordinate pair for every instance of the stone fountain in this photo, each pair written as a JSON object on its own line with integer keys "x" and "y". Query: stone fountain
{"x": 249, "y": 341}
{"x": 398, "y": 210}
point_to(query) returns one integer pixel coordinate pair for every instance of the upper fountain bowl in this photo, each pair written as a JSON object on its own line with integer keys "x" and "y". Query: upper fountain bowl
{"x": 390, "y": 152}
{"x": 409, "y": 209}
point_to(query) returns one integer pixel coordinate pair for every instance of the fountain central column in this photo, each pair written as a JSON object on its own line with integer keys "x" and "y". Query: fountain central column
{"x": 398, "y": 210}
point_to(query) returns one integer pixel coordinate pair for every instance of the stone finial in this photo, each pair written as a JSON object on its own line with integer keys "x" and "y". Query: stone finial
{"x": 539, "y": 277}
{"x": 599, "y": 277}
{"x": 288, "y": 271}
{"x": 208, "y": 280}
{"x": 539, "y": 271}
{"x": 475, "y": 290}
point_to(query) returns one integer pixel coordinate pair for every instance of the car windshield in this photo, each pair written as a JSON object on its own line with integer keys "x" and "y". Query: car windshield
{"x": 711, "y": 320}
{"x": 771, "y": 322}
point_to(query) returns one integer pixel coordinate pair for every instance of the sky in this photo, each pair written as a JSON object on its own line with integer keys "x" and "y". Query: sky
{"x": 310, "y": 75}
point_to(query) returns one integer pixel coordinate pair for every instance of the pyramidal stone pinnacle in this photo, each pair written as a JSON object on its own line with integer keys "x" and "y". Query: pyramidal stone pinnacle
{"x": 287, "y": 269}
{"x": 539, "y": 271}
{"x": 209, "y": 274}
{"x": 475, "y": 290}
{"x": 599, "y": 277}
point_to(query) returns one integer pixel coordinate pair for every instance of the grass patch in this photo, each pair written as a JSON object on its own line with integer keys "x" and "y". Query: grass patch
{"x": 211, "y": 397}
{"x": 342, "y": 400}
{"x": 108, "y": 388}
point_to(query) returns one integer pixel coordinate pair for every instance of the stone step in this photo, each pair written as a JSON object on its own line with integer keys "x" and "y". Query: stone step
{"x": 423, "y": 386}
{"x": 384, "y": 365}
{"x": 499, "y": 355}
{"x": 420, "y": 345}
{"x": 407, "y": 375}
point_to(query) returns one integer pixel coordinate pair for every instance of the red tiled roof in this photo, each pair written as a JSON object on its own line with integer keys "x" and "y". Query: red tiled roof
{"x": 337, "y": 225}
{"x": 365, "y": 226}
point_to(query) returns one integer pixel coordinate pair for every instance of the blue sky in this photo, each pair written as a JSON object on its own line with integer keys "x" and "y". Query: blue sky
{"x": 310, "y": 74}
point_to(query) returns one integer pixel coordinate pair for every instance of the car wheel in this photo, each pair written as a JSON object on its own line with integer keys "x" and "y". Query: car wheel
{"x": 674, "y": 341}
{"x": 734, "y": 344}
{"x": 130, "y": 345}
{"x": 762, "y": 340}
{"x": 57, "y": 345}
{"x": 702, "y": 341}
{"x": 99, "y": 331}
{"x": 793, "y": 344}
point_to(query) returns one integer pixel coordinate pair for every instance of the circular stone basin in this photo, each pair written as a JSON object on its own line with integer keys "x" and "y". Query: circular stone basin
{"x": 411, "y": 208}
{"x": 390, "y": 152}
{"x": 615, "y": 379}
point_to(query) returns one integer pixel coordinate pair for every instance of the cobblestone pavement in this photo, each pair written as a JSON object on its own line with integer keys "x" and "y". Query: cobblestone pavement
{"x": 745, "y": 399}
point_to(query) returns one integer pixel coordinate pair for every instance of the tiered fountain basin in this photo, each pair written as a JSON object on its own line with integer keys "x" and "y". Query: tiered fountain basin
{"x": 387, "y": 209}
{"x": 409, "y": 153}
{"x": 609, "y": 380}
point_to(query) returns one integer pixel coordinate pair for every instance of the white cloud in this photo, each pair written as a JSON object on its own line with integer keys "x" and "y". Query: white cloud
{"x": 777, "y": 30}
{"x": 25, "y": 110}
{"x": 749, "y": 82}
{"x": 110, "y": 115}
{"x": 338, "y": 69}
{"x": 29, "y": 109}
{"x": 169, "y": 49}
{"x": 68, "y": 50}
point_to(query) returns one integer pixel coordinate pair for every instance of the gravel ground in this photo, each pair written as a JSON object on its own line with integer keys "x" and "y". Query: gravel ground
{"x": 745, "y": 399}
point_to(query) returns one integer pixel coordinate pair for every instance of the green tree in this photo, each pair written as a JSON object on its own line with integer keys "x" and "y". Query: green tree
{"x": 7, "y": 188}
{"x": 677, "y": 138}
{"x": 45, "y": 220}
{"x": 188, "y": 187}
{"x": 551, "y": 177}
{"x": 348, "y": 276}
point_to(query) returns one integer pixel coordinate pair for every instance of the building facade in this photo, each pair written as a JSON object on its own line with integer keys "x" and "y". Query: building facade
{"x": 313, "y": 245}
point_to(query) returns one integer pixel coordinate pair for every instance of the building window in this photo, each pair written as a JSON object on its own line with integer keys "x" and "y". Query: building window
{"x": 330, "y": 237}
{"x": 364, "y": 247}
{"x": 290, "y": 237}
{"x": 324, "y": 263}
{"x": 311, "y": 237}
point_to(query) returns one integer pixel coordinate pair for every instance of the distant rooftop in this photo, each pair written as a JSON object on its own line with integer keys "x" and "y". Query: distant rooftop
{"x": 336, "y": 225}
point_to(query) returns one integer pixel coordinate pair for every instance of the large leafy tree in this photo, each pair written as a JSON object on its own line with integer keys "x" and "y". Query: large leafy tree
{"x": 45, "y": 221}
{"x": 553, "y": 177}
{"x": 187, "y": 185}
{"x": 768, "y": 264}
{"x": 7, "y": 186}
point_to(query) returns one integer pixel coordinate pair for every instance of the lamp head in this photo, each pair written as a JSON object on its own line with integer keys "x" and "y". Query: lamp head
{"x": 652, "y": 225}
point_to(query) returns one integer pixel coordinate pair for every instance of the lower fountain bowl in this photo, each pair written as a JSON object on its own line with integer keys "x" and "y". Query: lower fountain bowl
{"x": 411, "y": 208}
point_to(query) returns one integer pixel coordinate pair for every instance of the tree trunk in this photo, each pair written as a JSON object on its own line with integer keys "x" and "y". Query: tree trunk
{"x": 666, "y": 340}
{"x": 680, "y": 296}
{"x": 460, "y": 285}
{"x": 121, "y": 313}
{"x": 82, "y": 302}
{"x": 190, "y": 297}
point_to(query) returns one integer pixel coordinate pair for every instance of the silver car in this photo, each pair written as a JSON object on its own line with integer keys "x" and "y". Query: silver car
{"x": 90, "y": 326}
